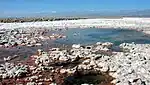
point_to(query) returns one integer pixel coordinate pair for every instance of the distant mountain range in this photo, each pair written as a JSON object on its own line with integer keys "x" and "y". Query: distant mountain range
{"x": 91, "y": 14}
{"x": 138, "y": 13}
{"x": 125, "y": 13}
{"x": 122, "y": 13}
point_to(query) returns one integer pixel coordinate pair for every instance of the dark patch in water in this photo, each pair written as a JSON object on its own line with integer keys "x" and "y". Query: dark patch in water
{"x": 91, "y": 78}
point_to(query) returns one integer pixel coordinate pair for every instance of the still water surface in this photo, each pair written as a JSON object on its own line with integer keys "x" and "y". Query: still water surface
{"x": 93, "y": 35}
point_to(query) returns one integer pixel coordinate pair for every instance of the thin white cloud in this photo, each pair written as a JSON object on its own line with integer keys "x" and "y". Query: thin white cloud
{"x": 53, "y": 12}
{"x": 92, "y": 10}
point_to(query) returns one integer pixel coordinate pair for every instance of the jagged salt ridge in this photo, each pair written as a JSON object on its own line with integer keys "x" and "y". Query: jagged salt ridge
{"x": 130, "y": 67}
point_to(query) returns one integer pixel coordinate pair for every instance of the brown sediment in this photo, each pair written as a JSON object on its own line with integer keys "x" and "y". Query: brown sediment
{"x": 61, "y": 78}
{"x": 90, "y": 78}
{"x": 24, "y": 52}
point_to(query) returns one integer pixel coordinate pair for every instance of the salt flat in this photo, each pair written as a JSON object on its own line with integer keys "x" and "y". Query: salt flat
{"x": 129, "y": 66}
{"x": 99, "y": 22}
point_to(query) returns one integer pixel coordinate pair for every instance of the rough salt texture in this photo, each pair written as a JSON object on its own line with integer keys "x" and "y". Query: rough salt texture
{"x": 129, "y": 23}
{"x": 133, "y": 65}
{"x": 9, "y": 70}
{"x": 129, "y": 67}
{"x": 28, "y": 37}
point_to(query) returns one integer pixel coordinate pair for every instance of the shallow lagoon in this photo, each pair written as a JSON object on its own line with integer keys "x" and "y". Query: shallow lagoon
{"x": 80, "y": 36}
{"x": 93, "y": 35}
{"x": 90, "y": 36}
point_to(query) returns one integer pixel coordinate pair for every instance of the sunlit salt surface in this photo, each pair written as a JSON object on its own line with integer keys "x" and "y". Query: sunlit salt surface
{"x": 93, "y": 35}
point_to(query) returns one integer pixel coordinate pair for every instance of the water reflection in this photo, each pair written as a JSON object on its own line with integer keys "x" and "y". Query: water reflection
{"x": 93, "y": 35}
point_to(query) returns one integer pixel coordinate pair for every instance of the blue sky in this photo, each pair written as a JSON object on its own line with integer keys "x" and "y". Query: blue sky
{"x": 23, "y": 7}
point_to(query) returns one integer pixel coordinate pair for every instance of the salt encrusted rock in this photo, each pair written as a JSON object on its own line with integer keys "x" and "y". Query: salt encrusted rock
{"x": 75, "y": 52}
{"x": 28, "y": 36}
{"x": 128, "y": 67}
{"x": 33, "y": 78}
{"x": 86, "y": 62}
{"x": 31, "y": 83}
{"x": 53, "y": 84}
{"x": 107, "y": 44}
{"x": 10, "y": 57}
{"x": 63, "y": 58}
{"x": 38, "y": 44}
{"x": 11, "y": 70}
{"x": 38, "y": 70}
{"x": 43, "y": 59}
{"x": 99, "y": 43}
{"x": 40, "y": 83}
{"x": 19, "y": 84}
{"x": 86, "y": 84}
{"x": 70, "y": 70}
{"x": 132, "y": 65}
{"x": 63, "y": 71}
{"x": 76, "y": 46}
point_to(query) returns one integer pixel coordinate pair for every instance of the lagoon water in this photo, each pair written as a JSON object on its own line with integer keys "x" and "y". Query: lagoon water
{"x": 81, "y": 36}
{"x": 93, "y": 35}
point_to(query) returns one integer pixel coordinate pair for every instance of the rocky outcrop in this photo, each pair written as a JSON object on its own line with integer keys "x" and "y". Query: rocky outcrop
{"x": 132, "y": 66}
{"x": 9, "y": 70}
{"x": 28, "y": 37}
{"x": 128, "y": 67}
